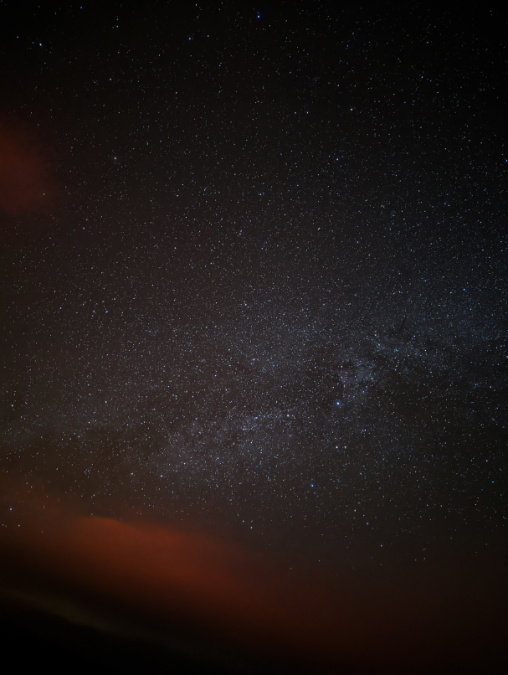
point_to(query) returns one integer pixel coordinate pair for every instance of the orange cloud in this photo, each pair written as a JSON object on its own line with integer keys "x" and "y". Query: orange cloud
{"x": 27, "y": 179}
{"x": 185, "y": 582}
{"x": 179, "y": 579}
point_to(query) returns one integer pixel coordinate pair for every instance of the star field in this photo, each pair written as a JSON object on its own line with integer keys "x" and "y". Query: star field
{"x": 265, "y": 285}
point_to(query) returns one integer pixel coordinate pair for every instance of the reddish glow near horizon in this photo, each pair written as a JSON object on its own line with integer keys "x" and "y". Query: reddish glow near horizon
{"x": 191, "y": 581}
{"x": 172, "y": 576}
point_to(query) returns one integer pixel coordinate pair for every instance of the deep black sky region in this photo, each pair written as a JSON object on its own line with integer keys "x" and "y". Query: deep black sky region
{"x": 253, "y": 264}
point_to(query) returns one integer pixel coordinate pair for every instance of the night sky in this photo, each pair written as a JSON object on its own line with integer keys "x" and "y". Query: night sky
{"x": 253, "y": 320}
